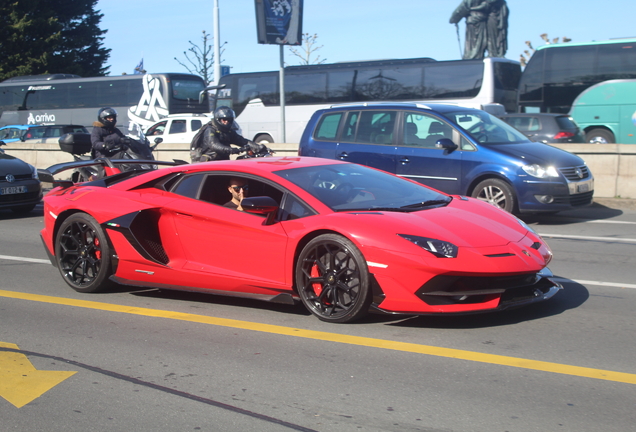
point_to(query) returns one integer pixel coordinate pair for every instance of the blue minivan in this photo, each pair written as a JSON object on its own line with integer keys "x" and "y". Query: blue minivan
{"x": 457, "y": 150}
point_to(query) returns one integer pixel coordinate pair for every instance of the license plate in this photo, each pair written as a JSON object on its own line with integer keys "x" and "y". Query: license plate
{"x": 13, "y": 190}
{"x": 583, "y": 188}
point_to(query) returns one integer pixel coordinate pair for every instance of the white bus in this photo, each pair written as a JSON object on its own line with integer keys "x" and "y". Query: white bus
{"x": 255, "y": 97}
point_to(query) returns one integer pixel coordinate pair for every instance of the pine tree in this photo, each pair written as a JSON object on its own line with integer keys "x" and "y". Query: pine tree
{"x": 44, "y": 37}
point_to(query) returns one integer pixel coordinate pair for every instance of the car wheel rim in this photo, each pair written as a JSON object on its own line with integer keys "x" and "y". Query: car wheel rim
{"x": 331, "y": 280}
{"x": 80, "y": 254}
{"x": 494, "y": 196}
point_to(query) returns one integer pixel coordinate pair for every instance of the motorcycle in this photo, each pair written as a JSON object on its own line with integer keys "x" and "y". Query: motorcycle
{"x": 79, "y": 144}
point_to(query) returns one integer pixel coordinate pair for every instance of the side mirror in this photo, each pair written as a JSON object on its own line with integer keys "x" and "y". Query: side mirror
{"x": 202, "y": 93}
{"x": 446, "y": 144}
{"x": 261, "y": 205}
{"x": 157, "y": 142}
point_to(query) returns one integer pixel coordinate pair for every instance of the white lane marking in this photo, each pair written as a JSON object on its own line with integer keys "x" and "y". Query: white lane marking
{"x": 560, "y": 279}
{"x": 584, "y": 282}
{"x": 610, "y": 222}
{"x": 614, "y": 239}
{"x": 33, "y": 260}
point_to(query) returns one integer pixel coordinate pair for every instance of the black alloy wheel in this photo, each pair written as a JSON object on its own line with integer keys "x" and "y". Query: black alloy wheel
{"x": 332, "y": 279}
{"x": 82, "y": 254}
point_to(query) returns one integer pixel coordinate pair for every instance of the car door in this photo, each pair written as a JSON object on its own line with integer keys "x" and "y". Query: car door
{"x": 237, "y": 248}
{"x": 418, "y": 158}
{"x": 368, "y": 138}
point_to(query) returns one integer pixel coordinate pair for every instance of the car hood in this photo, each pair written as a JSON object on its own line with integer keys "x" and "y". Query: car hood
{"x": 538, "y": 153}
{"x": 12, "y": 165}
{"x": 465, "y": 222}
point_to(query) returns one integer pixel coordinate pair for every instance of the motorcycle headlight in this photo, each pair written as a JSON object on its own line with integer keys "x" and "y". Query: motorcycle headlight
{"x": 539, "y": 171}
{"x": 439, "y": 248}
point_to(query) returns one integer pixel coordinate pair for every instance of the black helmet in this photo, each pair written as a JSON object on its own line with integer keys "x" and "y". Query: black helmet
{"x": 224, "y": 112}
{"x": 107, "y": 112}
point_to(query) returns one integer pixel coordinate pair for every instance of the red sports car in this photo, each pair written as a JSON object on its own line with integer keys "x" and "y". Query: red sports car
{"x": 342, "y": 238}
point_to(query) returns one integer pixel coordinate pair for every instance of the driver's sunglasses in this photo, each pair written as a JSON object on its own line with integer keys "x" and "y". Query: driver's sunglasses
{"x": 238, "y": 188}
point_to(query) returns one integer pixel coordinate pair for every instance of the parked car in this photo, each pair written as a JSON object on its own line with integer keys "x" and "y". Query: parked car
{"x": 12, "y": 133}
{"x": 177, "y": 128}
{"x": 50, "y": 133}
{"x": 546, "y": 128}
{"x": 453, "y": 149}
{"x": 341, "y": 238}
{"x": 20, "y": 188}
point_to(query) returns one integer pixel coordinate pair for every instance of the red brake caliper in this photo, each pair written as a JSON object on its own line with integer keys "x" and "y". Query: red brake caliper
{"x": 315, "y": 273}
{"x": 98, "y": 252}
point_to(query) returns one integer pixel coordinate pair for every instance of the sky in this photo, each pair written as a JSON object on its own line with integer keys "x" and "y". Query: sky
{"x": 157, "y": 31}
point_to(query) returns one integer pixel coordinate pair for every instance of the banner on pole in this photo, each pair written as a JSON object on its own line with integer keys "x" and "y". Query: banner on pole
{"x": 279, "y": 22}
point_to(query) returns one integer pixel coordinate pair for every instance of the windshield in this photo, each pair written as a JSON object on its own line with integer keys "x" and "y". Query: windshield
{"x": 186, "y": 89}
{"x": 346, "y": 187}
{"x": 486, "y": 128}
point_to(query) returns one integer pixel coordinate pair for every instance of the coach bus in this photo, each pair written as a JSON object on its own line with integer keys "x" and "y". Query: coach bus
{"x": 140, "y": 99}
{"x": 255, "y": 97}
{"x": 557, "y": 73}
{"x": 606, "y": 112}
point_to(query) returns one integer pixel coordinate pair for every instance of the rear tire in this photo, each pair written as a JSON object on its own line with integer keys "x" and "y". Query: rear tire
{"x": 600, "y": 136}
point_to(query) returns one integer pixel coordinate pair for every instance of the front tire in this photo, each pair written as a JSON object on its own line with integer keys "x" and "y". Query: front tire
{"x": 496, "y": 192}
{"x": 82, "y": 253}
{"x": 333, "y": 280}
{"x": 264, "y": 139}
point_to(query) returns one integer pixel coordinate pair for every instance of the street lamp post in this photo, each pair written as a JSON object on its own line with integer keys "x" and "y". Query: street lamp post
{"x": 217, "y": 46}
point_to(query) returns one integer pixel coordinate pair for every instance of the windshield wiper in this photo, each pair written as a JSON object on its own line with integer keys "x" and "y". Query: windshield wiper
{"x": 425, "y": 204}
{"x": 410, "y": 207}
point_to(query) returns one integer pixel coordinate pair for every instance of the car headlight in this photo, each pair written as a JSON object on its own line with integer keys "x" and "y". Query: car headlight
{"x": 536, "y": 170}
{"x": 439, "y": 248}
{"x": 34, "y": 172}
{"x": 527, "y": 227}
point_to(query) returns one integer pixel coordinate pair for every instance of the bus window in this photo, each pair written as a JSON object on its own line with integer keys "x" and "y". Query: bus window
{"x": 306, "y": 88}
{"x": 453, "y": 80}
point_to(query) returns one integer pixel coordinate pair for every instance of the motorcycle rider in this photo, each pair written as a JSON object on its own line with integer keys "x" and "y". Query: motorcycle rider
{"x": 106, "y": 139}
{"x": 219, "y": 137}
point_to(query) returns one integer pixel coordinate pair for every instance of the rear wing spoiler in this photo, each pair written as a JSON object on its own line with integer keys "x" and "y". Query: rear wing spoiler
{"x": 48, "y": 175}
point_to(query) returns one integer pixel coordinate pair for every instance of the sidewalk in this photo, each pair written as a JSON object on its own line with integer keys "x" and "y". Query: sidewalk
{"x": 616, "y": 203}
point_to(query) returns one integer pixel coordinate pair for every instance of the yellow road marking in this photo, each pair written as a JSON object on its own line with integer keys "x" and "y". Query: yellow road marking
{"x": 563, "y": 369}
{"x": 20, "y": 381}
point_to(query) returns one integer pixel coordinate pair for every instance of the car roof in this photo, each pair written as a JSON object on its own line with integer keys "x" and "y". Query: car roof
{"x": 545, "y": 115}
{"x": 255, "y": 166}
{"x": 16, "y": 126}
{"x": 440, "y": 107}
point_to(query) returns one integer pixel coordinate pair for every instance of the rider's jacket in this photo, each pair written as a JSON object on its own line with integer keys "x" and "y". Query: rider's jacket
{"x": 216, "y": 142}
{"x": 105, "y": 140}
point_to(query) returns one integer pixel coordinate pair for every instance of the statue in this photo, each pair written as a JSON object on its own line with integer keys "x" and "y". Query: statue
{"x": 486, "y": 27}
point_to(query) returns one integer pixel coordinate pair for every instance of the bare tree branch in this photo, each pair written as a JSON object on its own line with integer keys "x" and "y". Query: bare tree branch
{"x": 200, "y": 59}
{"x": 308, "y": 48}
